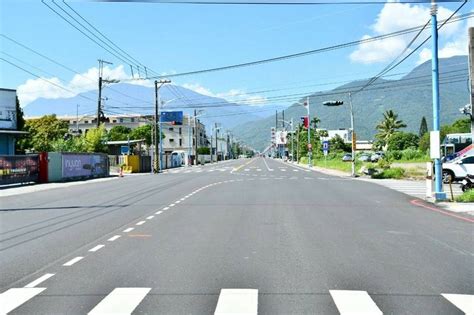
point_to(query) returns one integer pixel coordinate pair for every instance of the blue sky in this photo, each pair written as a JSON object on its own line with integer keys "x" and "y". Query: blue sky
{"x": 180, "y": 38}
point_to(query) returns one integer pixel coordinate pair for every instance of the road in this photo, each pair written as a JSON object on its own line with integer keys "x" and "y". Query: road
{"x": 245, "y": 236}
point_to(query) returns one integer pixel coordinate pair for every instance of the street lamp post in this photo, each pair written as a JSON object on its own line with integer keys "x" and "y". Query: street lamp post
{"x": 158, "y": 165}
{"x": 291, "y": 124}
{"x": 338, "y": 103}
{"x": 306, "y": 104}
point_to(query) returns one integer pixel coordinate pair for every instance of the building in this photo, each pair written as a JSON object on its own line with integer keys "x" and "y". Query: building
{"x": 177, "y": 136}
{"x": 8, "y": 122}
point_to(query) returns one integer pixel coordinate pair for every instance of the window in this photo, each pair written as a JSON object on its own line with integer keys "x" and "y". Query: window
{"x": 132, "y": 119}
{"x": 86, "y": 121}
{"x": 171, "y": 140}
{"x": 468, "y": 160}
{"x": 121, "y": 120}
{"x": 114, "y": 121}
{"x": 180, "y": 142}
{"x": 73, "y": 121}
{"x": 180, "y": 130}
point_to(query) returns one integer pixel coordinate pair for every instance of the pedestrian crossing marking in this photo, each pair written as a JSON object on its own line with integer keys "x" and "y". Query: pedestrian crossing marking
{"x": 120, "y": 301}
{"x": 350, "y": 302}
{"x": 12, "y": 298}
{"x": 237, "y": 301}
{"x": 464, "y": 302}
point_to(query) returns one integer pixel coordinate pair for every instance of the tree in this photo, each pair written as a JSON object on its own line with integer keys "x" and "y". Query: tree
{"x": 143, "y": 132}
{"x": 461, "y": 126}
{"x": 20, "y": 120}
{"x": 95, "y": 140}
{"x": 42, "y": 133}
{"x": 388, "y": 126}
{"x": 338, "y": 144}
{"x": 423, "y": 127}
{"x": 118, "y": 133}
{"x": 314, "y": 122}
{"x": 403, "y": 140}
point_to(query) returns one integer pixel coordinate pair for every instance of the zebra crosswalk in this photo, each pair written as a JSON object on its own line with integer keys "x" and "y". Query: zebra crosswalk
{"x": 245, "y": 301}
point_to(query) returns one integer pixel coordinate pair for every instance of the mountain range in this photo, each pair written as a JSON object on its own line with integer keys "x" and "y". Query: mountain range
{"x": 124, "y": 98}
{"x": 410, "y": 97}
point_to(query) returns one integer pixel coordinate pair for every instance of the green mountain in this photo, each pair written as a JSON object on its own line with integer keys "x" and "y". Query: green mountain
{"x": 410, "y": 97}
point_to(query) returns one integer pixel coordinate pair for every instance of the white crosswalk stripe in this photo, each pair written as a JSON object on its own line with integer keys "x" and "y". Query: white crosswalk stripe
{"x": 120, "y": 301}
{"x": 464, "y": 302}
{"x": 237, "y": 301}
{"x": 13, "y": 298}
{"x": 350, "y": 302}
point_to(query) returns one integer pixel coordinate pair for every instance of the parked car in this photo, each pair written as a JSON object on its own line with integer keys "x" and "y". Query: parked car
{"x": 458, "y": 169}
{"x": 347, "y": 157}
{"x": 364, "y": 158}
{"x": 377, "y": 156}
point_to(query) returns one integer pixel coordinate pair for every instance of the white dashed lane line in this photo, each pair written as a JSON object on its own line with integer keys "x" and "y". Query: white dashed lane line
{"x": 150, "y": 217}
{"x": 172, "y": 205}
{"x": 113, "y": 238}
{"x": 39, "y": 280}
{"x": 159, "y": 212}
{"x": 73, "y": 261}
{"x": 140, "y": 223}
{"x": 166, "y": 208}
{"x": 94, "y": 249}
{"x": 128, "y": 230}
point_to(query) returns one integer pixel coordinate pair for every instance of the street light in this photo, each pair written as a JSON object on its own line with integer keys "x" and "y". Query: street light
{"x": 158, "y": 166}
{"x": 306, "y": 105}
{"x": 338, "y": 103}
{"x": 292, "y": 131}
{"x": 197, "y": 114}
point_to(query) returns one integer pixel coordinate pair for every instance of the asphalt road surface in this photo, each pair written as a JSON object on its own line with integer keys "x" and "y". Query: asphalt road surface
{"x": 238, "y": 237}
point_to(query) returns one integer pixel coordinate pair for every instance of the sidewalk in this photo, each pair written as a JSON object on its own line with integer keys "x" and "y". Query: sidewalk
{"x": 459, "y": 207}
{"x": 30, "y": 188}
{"x": 323, "y": 170}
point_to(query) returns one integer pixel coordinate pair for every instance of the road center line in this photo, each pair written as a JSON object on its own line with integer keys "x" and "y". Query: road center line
{"x": 73, "y": 261}
{"x": 39, "y": 280}
{"x": 94, "y": 249}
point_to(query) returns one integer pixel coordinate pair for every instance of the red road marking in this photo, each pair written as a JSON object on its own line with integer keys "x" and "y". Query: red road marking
{"x": 416, "y": 202}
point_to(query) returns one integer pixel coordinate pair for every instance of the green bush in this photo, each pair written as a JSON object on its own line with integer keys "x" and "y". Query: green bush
{"x": 403, "y": 140}
{"x": 412, "y": 154}
{"x": 396, "y": 172}
{"x": 468, "y": 196}
{"x": 394, "y": 155}
{"x": 383, "y": 163}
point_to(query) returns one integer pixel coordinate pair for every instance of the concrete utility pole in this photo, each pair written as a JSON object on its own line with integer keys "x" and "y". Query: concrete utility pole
{"x": 439, "y": 194}
{"x": 217, "y": 156}
{"x": 471, "y": 74}
{"x": 196, "y": 139}
{"x": 99, "y": 101}
{"x": 158, "y": 150}
{"x": 310, "y": 153}
{"x": 189, "y": 141}
{"x": 77, "y": 119}
{"x": 354, "y": 139}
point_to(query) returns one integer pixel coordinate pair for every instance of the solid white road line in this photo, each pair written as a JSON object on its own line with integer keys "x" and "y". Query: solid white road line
{"x": 464, "y": 302}
{"x": 94, "y": 249}
{"x": 39, "y": 280}
{"x": 150, "y": 217}
{"x": 159, "y": 212}
{"x": 12, "y": 298}
{"x": 354, "y": 302}
{"x": 113, "y": 238}
{"x": 128, "y": 230}
{"x": 237, "y": 301}
{"x": 120, "y": 301}
{"x": 268, "y": 168}
{"x": 140, "y": 223}
{"x": 72, "y": 261}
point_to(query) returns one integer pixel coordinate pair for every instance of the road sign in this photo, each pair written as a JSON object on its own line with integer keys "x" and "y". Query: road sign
{"x": 124, "y": 149}
{"x": 325, "y": 145}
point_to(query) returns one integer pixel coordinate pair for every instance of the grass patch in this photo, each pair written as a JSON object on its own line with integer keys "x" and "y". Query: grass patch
{"x": 396, "y": 172}
{"x": 467, "y": 196}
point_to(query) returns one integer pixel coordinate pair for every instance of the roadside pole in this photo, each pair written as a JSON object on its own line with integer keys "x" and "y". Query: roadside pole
{"x": 189, "y": 141}
{"x": 439, "y": 194}
{"x": 309, "y": 134}
{"x": 354, "y": 139}
{"x": 471, "y": 74}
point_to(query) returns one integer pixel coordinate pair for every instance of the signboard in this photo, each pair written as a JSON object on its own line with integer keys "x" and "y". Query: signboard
{"x": 273, "y": 135}
{"x": 18, "y": 169}
{"x": 124, "y": 149}
{"x": 174, "y": 118}
{"x": 83, "y": 165}
{"x": 281, "y": 137}
{"x": 435, "y": 152}
{"x": 8, "y": 109}
{"x": 325, "y": 147}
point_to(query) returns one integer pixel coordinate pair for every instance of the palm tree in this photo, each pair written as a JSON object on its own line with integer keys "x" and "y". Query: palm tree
{"x": 388, "y": 126}
{"x": 314, "y": 122}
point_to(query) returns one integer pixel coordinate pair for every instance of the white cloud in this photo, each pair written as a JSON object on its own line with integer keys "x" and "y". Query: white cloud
{"x": 395, "y": 17}
{"x": 233, "y": 95}
{"x": 33, "y": 89}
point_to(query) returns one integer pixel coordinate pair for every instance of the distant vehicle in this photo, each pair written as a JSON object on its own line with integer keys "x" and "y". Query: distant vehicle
{"x": 459, "y": 168}
{"x": 347, "y": 157}
{"x": 377, "y": 156}
{"x": 364, "y": 158}
{"x": 455, "y": 142}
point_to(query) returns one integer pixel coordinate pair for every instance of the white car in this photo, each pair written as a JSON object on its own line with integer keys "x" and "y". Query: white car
{"x": 458, "y": 169}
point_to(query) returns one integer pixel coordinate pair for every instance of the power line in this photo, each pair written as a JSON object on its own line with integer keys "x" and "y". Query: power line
{"x": 310, "y": 52}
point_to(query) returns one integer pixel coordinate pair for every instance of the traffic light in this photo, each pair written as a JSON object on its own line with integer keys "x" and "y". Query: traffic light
{"x": 333, "y": 103}
{"x": 305, "y": 121}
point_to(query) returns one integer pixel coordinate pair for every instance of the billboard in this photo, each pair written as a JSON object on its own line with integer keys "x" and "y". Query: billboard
{"x": 174, "y": 118}
{"x": 84, "y": 165}
{"x": 281, "y": 137}
{"x": 18, "y": 169}
{"x": 7, "y": 109}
